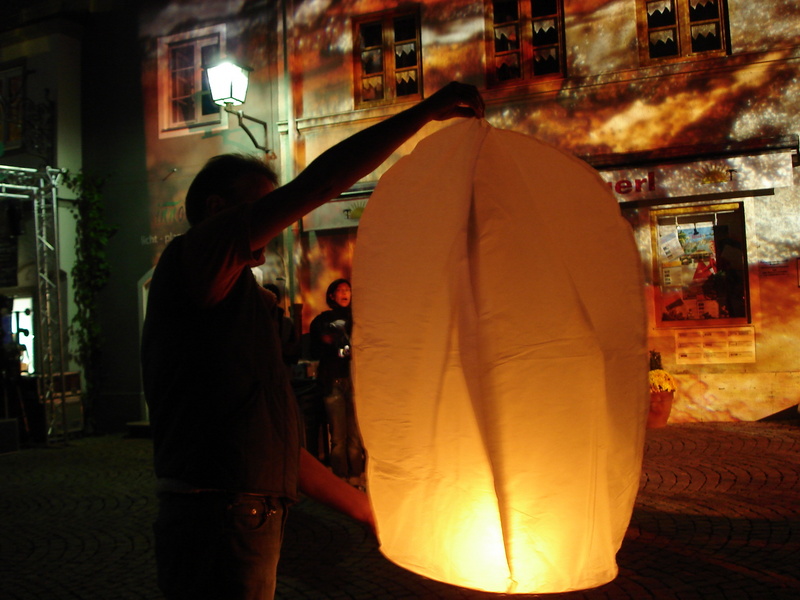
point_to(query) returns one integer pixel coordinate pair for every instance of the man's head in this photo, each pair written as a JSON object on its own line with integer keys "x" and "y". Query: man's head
{"x": 338, "y": 294}
{"x": 227, "y": 180}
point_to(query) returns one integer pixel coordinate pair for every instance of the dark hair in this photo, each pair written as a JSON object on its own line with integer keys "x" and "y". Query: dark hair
{"x": 219, "y": 177}
{"x": 274, "y": 289}
{"x": 332, "y": 290}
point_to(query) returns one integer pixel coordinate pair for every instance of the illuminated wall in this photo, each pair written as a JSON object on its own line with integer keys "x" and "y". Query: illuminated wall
{"x": 611, "y": 103}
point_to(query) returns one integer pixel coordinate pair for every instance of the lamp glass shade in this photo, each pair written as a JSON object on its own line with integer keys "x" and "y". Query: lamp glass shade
{"x": 228, "y": 83}
{"x": 500, "y": 363}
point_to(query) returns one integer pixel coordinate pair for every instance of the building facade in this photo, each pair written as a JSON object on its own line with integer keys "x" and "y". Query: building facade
{"x": 687, "y": 109}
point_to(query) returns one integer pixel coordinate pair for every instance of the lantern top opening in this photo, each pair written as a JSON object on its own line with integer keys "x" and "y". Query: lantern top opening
{"x": 228, "y": 83}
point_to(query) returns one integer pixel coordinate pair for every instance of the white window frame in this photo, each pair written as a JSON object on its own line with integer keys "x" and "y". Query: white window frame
{"x": 166, "y": 126}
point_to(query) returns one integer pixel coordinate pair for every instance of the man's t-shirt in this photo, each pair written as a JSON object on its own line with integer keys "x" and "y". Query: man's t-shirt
{"x": 222, "y": 410}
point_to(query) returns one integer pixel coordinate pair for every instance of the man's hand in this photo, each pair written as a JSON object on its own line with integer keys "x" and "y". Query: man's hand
{"x": 455, "y": 100}
{"x": 320, "y": 484}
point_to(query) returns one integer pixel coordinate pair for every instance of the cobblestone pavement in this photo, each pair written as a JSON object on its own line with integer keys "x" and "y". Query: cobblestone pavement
{"x": 717, "y": 517}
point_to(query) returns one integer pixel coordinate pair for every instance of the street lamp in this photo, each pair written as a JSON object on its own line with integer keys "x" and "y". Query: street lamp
{"x": 228, "y": 83}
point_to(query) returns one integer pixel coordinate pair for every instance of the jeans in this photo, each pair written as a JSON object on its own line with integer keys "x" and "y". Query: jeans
{"x": 347, "y": 450}
{"x": 218, "y": 545}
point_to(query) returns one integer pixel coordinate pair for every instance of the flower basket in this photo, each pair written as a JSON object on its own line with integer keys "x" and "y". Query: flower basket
{"x": 662, "y": 393}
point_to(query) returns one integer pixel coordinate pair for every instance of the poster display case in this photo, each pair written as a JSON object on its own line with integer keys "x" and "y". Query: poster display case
{"x": 700, "y": 269}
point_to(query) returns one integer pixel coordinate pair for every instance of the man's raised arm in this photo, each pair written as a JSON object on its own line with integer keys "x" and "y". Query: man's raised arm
{"x": 339, "y": 167}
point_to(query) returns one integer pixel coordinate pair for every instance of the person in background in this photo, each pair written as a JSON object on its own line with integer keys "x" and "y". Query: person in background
{"x": 330, "y": 345}
{"x": 226, "y": 432}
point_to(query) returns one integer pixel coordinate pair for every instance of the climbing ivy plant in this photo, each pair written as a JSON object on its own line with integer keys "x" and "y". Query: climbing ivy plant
{"x": 89, "y": 275}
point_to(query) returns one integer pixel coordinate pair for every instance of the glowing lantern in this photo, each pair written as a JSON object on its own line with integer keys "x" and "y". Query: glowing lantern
{"x": 500, "y": 364}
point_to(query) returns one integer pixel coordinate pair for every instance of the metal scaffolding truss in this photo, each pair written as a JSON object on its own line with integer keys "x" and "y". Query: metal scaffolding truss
{"x": 40, "y": 188}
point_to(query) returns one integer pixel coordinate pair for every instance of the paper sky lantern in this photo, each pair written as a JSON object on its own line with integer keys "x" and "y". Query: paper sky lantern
{"x": 500, "y": 363}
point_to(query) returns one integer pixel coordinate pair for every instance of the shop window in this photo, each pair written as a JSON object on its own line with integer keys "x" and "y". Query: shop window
{"x": 12, "y": 93}
{"x": 184, "y": 94}
{"x": 682, "y": 28}
{"x": 388, "y": 60}
{"x": 700, "y": 266}
{"x": 525, "y": 40}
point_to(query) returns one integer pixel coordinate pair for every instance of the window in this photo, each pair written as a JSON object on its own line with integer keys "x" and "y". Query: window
{"x": 12, "y": 94}
{"x": 388, "y": 62}
{"x": 184, "y": 96}
{"x": 682, "y": 28}
{"x": 700, "y": 266}
{"x": 526, "y": 40}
